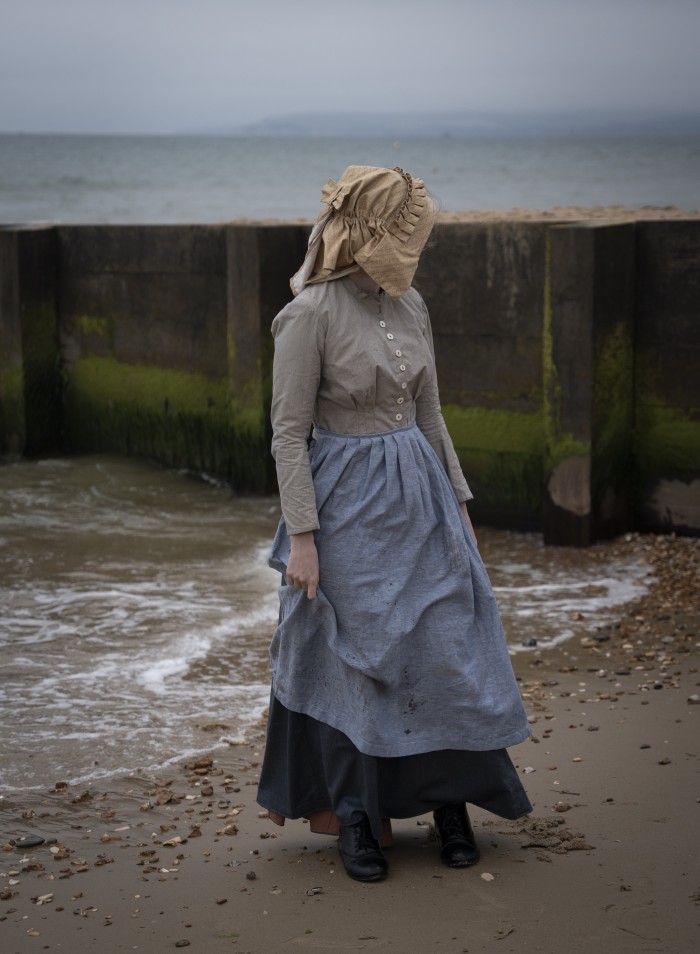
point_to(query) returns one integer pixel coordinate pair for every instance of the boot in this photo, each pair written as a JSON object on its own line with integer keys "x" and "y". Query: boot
{"x": 360, "y": 852}
{"x": 454, "y": 832}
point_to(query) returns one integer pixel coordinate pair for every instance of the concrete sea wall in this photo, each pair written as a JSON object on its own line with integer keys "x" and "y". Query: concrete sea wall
{"x": 568, "y": 357}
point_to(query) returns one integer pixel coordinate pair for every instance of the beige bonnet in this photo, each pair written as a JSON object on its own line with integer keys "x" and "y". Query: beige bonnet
{"x": 376, "y": 219}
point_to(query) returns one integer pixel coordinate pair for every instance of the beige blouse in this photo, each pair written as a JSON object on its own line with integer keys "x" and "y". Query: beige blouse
{"x": 351, "y": 362}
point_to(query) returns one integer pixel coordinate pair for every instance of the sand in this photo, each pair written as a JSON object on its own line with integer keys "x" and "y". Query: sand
{"x": 559, "y": 213}
{"x": 607, "y": 862}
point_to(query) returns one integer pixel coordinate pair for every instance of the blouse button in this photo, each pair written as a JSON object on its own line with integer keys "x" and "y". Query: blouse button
{"x": 399, "y": 417}
{"x": 402, "y": 367}
{"x": 398, "y": 354}
{"x": 390, "y": 336}
{"x": 399, "y": 400}
{"x": 404, "y": 386}
{"x": 382, "y": 324}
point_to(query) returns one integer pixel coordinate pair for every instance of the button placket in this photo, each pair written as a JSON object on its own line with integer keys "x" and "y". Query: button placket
{"x": 400, "y": 400}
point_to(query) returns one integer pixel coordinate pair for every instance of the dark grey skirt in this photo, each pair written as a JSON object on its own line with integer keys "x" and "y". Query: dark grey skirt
{"x": 311, "y": 767}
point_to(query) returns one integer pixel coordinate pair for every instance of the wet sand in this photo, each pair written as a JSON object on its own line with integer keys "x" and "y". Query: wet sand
{"x": 607, "y": 861}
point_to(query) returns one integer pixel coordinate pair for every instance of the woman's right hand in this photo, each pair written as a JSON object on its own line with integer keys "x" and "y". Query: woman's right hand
{"x": 302, "y": 566}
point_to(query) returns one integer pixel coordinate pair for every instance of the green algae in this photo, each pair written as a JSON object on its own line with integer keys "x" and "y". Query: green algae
{"x": 98, "y": 327}
{"x": 613, "y": 412}
{"x": 501, "y": 454}
{"x": 667, "y": 440}
{"x": 666, "y": 437}
{"x": 176, "y": 417}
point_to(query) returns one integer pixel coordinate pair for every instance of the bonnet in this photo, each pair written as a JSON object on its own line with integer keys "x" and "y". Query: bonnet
{"x": 375, "y": 219}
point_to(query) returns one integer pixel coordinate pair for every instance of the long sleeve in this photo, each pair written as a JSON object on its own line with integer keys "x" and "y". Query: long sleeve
{"x": 431, "y": 422}
{"x": 295, "y": 380}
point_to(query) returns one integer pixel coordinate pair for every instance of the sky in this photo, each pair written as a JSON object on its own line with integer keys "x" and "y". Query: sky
{"x": 169, "y": 66}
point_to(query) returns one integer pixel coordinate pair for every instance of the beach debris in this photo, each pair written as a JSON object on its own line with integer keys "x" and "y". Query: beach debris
{"x": 528, "y": 770}
{"x": 200, "y": 766}
{"x": 182, "y": 943}
{"x": 221, "y": 900}
{"x": 665, "y": 760}
{"x": 694, "y": 699}
{"x": 172, "y": 842}
{"x": 312, "y": 891}
{"x": 230, "y": 829}
{"x": 562, "y": 807}
{"x": 85, "y": 796}
{"x": 42, "y": 898}
{"x": 486, "y": 876}
{"x": 60, "y": 852}
{"x": 251, "y": 876}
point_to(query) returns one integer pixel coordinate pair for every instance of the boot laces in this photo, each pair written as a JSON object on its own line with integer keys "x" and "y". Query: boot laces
{"x": 452, "y": 822}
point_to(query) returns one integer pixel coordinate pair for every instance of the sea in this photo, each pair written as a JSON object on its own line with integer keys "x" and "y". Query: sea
{"x": 137, "y": 608}
{"x": 136, "y": 604}
{"x": 186, "y": 179}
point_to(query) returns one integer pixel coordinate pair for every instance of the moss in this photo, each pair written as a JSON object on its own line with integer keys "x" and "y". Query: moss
{"x": 667, "y": 441}
{"x": 613, "y": 411}
{"x": 501, "y": 454}
{"x": 495, "y": 430}
{"x": 176, "y": 417}
{"x": 666, "y": 437}
{"x": 100, "y": 327}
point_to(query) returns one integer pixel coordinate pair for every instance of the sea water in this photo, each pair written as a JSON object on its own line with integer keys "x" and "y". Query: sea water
{"x": 137, "y": 607}
{"x": 161, "y": 179}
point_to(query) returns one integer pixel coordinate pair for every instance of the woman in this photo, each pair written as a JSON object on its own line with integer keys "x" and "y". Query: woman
{"x": 392, "y": 689}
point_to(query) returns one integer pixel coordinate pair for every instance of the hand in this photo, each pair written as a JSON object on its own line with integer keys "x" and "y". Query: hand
{"x": 465, "y": 514}
{"x": 302, "y": 567}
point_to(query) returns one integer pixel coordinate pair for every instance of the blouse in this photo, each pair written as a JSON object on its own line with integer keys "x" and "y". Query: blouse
{"x": 351, "y": 362}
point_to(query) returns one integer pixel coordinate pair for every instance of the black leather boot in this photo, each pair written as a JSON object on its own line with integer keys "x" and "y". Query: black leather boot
{"x": 454, "y": 832}
{"x": 360, "y": 852}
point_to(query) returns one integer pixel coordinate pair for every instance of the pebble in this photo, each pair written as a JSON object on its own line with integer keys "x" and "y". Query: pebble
{"x": 183, "y": 943}
{"x": 30, "y": 841}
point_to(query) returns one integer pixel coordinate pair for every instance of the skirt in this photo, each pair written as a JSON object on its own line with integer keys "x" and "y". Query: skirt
{"x": 311, "y": 770}
{"x": 392, "y": 691}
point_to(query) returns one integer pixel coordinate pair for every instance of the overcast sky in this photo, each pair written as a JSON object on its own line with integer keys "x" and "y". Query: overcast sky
{"x": 182, "y": 65}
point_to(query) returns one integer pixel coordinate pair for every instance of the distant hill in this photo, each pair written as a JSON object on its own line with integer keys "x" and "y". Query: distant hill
{"x": 463, "y": 124}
